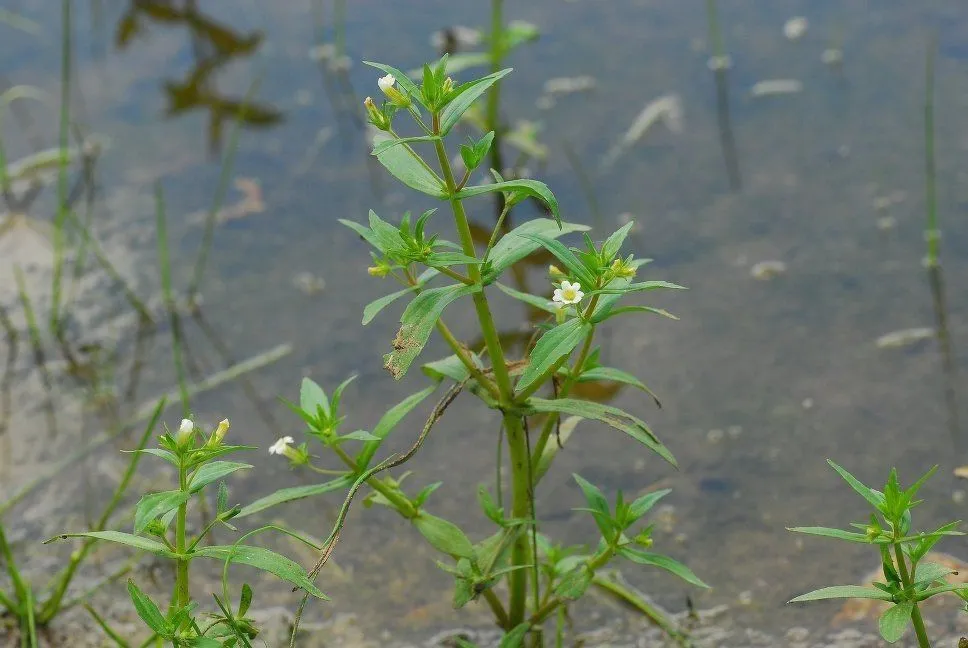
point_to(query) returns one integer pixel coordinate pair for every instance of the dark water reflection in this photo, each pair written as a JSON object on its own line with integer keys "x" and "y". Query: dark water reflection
{"x": 787, "y": 368}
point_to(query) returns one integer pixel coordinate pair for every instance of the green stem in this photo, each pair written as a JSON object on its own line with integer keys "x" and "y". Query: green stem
{"x": 404, "y": 506}
{"x": 455, "y": 275}
{"x": 14, "y": 574}
{"x": 465, "y": 358}
{"x": 517, "y": 443}
{"x": 919, "y": 629}
{"x": 182, "y": 592}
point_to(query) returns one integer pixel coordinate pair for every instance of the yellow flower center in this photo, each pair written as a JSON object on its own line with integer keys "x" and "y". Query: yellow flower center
{"x": 569, "y": 294}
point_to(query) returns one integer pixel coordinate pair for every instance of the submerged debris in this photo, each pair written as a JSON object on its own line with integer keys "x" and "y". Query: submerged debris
{"x": 569, "y": 85}
{"x": 904, "y": 337}
{"x": 795, "y": 28}
{"x": 832, "y": 56}
{"x": 772, "y": 87}
{"x": 666, "y": 109}
{"x": 766, "y": 270}
{"x": 717, "y": 63}
{"x": 308, "y": 283}
{"x": 250, "y": 203}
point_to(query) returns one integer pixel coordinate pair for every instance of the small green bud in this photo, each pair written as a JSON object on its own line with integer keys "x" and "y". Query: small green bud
{"x": 186, "y": 431}
{"x": 376, "y": 116}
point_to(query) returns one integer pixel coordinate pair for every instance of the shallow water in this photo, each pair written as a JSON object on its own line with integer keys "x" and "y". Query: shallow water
{"x": 788, "y": 369}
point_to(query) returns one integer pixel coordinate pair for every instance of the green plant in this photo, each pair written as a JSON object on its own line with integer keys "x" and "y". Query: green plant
{"x": 161, "y": 528}
{"x": 541, "y": 579}
{"x": 909, "y": 579}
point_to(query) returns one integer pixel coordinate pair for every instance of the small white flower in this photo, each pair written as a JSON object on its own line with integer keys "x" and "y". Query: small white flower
{"x": 569, "y": 293}
{"x": 185, "y": 431}
{"x": 386, "y": 82}
{"x": 280, "y": 446}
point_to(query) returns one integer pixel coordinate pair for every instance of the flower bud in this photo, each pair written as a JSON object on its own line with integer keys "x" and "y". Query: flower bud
{"x": 555, "y": 273}
{"x": 185, "y": 433}
{"x": 448, "y": 85}
{"x": 378, "y": 271}
{"x": 216, "y": 439}
{"x": 376, "y": 116}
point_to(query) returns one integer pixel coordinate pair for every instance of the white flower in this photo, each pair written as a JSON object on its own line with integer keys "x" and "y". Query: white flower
{"x": 569, "y": 293}
{"x": 185, "y": 432}
{"x": 386, "y": 82}
{"x": 280, "y": 446}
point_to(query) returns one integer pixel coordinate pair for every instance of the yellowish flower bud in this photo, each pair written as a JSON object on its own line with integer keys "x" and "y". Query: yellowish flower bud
{"x": 219, "y": 433}
{"x": 185, "y": 433}
{"x": 375, "y": 115}
{"x": 388, "y": 86}
{"x": 555, "y": 273}
{"x": 378, "y": 271}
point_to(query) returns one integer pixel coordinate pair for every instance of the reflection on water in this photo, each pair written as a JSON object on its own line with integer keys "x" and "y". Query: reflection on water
{"x": 760, "y": 381}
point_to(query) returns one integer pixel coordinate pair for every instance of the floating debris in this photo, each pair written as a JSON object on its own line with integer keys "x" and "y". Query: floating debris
{"x": 453, "y": 38}
{"x": 718, "y": 63}
{"x": 250, "y": 203}
{"x": 886, "y": 223}
{"x": 715, "y": 435}
{"x": 905, "y": 337}
{"x": 795, "y": 28}
{"x": 666, "y": 109}
{"x": 569, "y": 85}
{"x": 771, "y": 87}
{"x": 308, "y": 283}
{"x": 766, "y": 270}
{"x": 832, "y": 56}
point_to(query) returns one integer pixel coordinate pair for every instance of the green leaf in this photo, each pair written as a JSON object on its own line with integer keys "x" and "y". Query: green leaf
{"x": 450, "y": 367}
{"x": 425, "y": 492}
{"x": 407, "y": 167}
{"x": 488, "y": 505}
{"x": 515, "y": 638}
{"x": 154, "y": 505}
{"x": 515, "y": 245}
{"x": 842, "y": 591}
{"x": 928, "y": 572}
{"x": 405, "y": 82}
{"x": 312, "y": 398}
{"x": 285, "y": 495}
{"x": 214, "y": 471}
{"x": 532, "y": 188}
{"x": 465, "y": 95}
{"x": 445, "y": 259}
{"x": 565, "y": 429}
{"x": 149, "y": 612}
{"x": 571, "y": 262}
{"x": 644, "y": 504}
{"x": 573, "y": 585}
{"x": 664, "y": 562}
{"x": 541, "y": 303}
{"x": 601, "y": 317}
{"x": 894, "y": 621}
{"x": 418, "y": 322}
{"x": 167, "y": 455}
{"x": 267, "y": 561}
{"x": 389, "y": 421}
{"x": 875, "y": 498}
{"x": 839, "y": 534}
{"x": 443, "y": 536}
{"x": 145, "y": 544}
{"x": 390, "y": 143}
{"x": 619, "y": 376}
{"x": 358, "y": 435}
{"x": 612, "y": 416}
{"x": 374, "y": 307}
{"x": 597, "y": 503}
{"x": 641, "y": 286}
{"x": 245, "y": 600}
{"x": 553, "y": 346}
{"x": 613, "y": 243}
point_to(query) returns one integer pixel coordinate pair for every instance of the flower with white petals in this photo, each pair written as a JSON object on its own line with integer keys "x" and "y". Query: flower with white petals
{"x": 386, "y": 82}
{"x": 569, "y": 293}
{"x": 185, "y": 432}
{"x": 281, "y": 446}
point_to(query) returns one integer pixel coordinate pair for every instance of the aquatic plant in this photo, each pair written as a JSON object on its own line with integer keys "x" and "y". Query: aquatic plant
{"x": 542, "y": 578}
{"x": 909, "y": 579}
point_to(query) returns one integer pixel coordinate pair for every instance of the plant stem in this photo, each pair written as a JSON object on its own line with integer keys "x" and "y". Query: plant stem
{"x": 182, "y": 593}
{"x": 401, "y": 503}
{"x": 919, "y": 629}
{"x": 517, "y": 443}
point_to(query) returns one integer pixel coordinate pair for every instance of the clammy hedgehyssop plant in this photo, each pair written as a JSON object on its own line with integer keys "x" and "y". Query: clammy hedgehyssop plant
{"x": 519, "y": 573}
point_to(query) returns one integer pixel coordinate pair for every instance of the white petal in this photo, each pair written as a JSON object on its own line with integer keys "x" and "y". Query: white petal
{"x": 566, "y": 285}
{"x": 576, "y": 287}
{"x": 557, "y": 296}
{"x": 386, "y": 82}
{"x": 579, "y": 295}
{"x": 186, "y": 426}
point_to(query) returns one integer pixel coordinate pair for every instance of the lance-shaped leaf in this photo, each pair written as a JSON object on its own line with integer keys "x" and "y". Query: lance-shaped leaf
{"x": 390, "y": 143}
{"x": 267, "y": 561}
{"x": 515, "y": 638}
{"x": 843, "y": 591}
{"x": 663, "y": 562}
{"x": 541, "y": 303}
{"x": 444, "y": 536}
{"x": 612, "y": 416}
{"x": 450, "y": 367}
{"x": 613, "y": 243}
{"x": 601, "y": 317}
{"x": 374, "y": 307}
{"x": 465, "y": 95}
{"x": 389, "y": 421}
{"x": 616, "y": 375}
{"x": 154, "y": 505}
{"x": 567, "y": 258}
{"x": 839, "y": 534}
{"x": 532, "y": 188}
{"x": 407, "y": 167}
{"x": 874, "y": 498}
{"x": 408, "y": 86}
{"x": 214, "y": 471}
{"x": 641, "y": 286}
{"x": 514, "y": 246}
{"x": 138, "y": 542}
{"x": 554, "y": 345}
{"x": 284, "y": 495}
{"x": 417, "y": 322}
{"x": 149, "y": 612}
